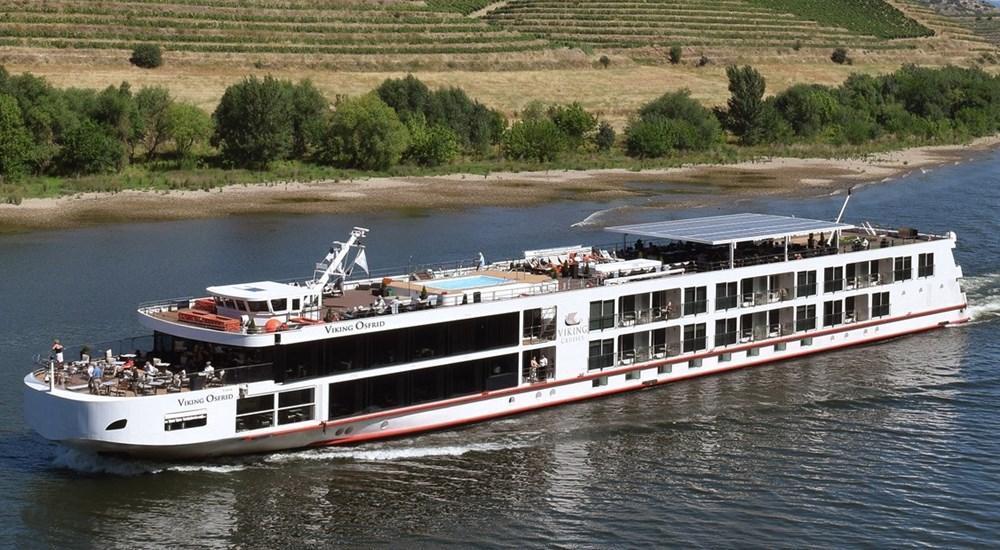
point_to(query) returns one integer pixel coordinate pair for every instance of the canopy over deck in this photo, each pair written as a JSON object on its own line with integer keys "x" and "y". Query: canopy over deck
{"x": 729, "y": 229}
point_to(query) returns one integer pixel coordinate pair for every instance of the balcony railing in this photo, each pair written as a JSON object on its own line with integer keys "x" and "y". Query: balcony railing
{"x": 644, "y": 316}
{"x": 782, "y": 294}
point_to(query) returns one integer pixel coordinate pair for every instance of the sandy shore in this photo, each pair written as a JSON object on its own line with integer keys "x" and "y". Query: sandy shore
{"x": 695, "y": 185}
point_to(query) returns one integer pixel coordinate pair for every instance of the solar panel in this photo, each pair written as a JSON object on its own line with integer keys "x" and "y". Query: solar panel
{"x": 731, "y": 228}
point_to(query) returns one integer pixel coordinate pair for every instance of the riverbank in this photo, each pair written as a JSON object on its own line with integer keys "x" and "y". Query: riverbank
{"x": 694, "y": 185}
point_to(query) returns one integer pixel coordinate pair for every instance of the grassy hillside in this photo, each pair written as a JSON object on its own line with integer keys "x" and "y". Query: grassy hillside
{"x": 316, "y": 30}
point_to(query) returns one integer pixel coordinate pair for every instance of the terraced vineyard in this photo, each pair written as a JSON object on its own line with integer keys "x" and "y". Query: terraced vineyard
{"x": 254, "y": 26}
{"x": 739, "y": 23}
{"x": 418, "y": 30}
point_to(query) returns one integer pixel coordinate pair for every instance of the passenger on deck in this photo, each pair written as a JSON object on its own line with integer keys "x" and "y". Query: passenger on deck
{"x": 533, "y": 371}
{"x": 543, "y": 366}
{"x": 209, "y": 370}
{"x": 151, "y": 369}
{"x": 57, "y": 351}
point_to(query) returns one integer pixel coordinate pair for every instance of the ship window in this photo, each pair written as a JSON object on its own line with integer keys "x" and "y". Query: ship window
{"x": 694, "y": 337}
{"x": 695, "y": 300}
{"x": 665, "y": 369}
{"x": 194, "y": 419}
{"x": 255, "y": 404}
{"x": 231, "y": 304}
{"x": 753, "y": 352}
{"x": 725, "y": 295}
{"x": 539, "y": 325}
{"x": 725, "y": 332}
{"x": 902, "y": 268}
{"x": 242, "y": 305}
{"x": 833, "y": 279}
{"x": 925, "y": 265}
{"x": 880, "y": 304}
{"x": 279, "y": 305}
{"x": 600, "y": 381}
{"x": 805, "y": 317}
{"x": 296, "y": 406}
{"x": 257, "y": 307}
{"x": 602, "y": 314}
{"x": 117, "y": 425}
{"x": 633, "y": 375}
{"x": 602, "y": 354}
{"x": 694, "y": 363}
{"x": 369, "y": 395}
{"x": 833, "y": 313}
{"x": 296, "y": 304}
{"x": 780, "y": 346}
{"x": 725, "y": 357}
{"x": 806, "y": 342}
{"x": 295, "y": 397}
{"x": 805, "y": 283}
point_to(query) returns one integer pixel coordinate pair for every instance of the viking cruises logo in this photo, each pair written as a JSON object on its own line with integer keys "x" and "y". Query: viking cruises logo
{"x": 572, "y": 319}
{"x": 574, "y": 331}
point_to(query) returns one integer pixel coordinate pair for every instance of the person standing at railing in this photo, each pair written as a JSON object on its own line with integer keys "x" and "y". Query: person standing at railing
{"x": 543, "y": 366}
{"x": 533, "y": 372}
{"x": 57, "y": 351}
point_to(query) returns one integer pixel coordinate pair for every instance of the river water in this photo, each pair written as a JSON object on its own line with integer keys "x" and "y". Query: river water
{"x": 890, "y": 445}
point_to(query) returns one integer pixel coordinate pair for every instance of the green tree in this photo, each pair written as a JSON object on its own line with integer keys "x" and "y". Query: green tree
{"x": 574, "y": 122}
{"x": 253, "y": 122}
{"x": 147, "y": 56}
{"x": 839, "y": 56}
{"x": 605, "y": 138}
{"x": 808, "y": 108}
{"x": 537, "y": 139}
{"x": 116, "y": 110}
{"x": 16, "y": 147}
{"x": 154, "y": 105}
{"x": 744, "y": 117}
{"x": 46, "y": 113}
{"x": 89, "y": 149}
{"x": 407, "y": 96}
{"x": 310, "y": 111}
{"x": 364, "y": 133}
{"x": 430, "y": 145}
{"x": 187, "y": 126}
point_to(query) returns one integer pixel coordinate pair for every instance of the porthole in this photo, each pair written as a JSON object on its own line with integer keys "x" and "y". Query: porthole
{"x": 538, "y": 395}
{"x": 339, "y": 432}
{"x": 552, "y": 392}
{"x": 511, "y": 400}
{"x": 349, "y": 430}
{"x": 383, "y": 425}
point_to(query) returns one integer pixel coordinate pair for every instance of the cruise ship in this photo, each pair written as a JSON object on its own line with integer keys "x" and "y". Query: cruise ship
{"x": 346, "y": 357}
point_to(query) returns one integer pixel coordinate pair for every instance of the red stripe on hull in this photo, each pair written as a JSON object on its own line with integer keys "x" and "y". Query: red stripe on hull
{"x": 400, "y": 432}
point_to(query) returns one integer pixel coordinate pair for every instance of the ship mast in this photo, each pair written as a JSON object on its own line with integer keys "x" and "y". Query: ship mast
{"x": 333, "y": 265}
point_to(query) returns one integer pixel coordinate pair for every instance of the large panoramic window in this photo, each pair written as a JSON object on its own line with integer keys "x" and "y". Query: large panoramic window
{"x": 725, "y": 332}
{"x": 601, "y": 354}
{"x": 833, "y": 313}
{"x": 369, "y": 395}
{"x": 391, "y": 347}
{"x": 805, "y": 317}
{"x": 805, "y": 283}
{"x": 880, "y": 304}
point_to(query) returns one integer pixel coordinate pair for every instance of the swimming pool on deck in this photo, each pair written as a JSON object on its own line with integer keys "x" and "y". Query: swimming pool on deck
{"x": 465, "y": 283}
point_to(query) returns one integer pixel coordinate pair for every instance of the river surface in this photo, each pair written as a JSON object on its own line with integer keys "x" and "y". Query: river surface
{"x": 891, "y": 445}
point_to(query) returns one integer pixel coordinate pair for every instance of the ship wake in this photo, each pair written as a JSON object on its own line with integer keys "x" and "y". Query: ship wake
{"x": 387, "y": 453}
{"x": 983, "y": 293}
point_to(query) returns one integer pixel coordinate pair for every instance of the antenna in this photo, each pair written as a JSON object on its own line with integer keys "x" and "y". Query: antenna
{"x": 847, "y": 199}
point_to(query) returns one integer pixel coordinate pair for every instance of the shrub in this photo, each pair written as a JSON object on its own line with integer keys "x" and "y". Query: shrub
{"x": 694, "y": 126}
{"x": 364, "y": 133}
{"x": 88, "y": 149}
{"x": 808, "y": 108}
{"x": 537, "y": 139}
{"x": 839, "y": 56}
{"x": 674, "y": 55}
{"x": 253, "y": 122}
{"x": 147, "y": 56}
{"x": 649, "y": 138}
{"x": 574, "y": 122}
{"x": 605, "y": 138}
{"x": 703, "y": 61}
{"x": 604, "y": 61}
{"x": 153, "y": 103}
{"x": 430, "y": 145}
{"x": 187, "y": 126}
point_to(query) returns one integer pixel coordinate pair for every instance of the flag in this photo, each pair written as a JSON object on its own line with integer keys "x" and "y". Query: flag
{"x": 361, "y": 261}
